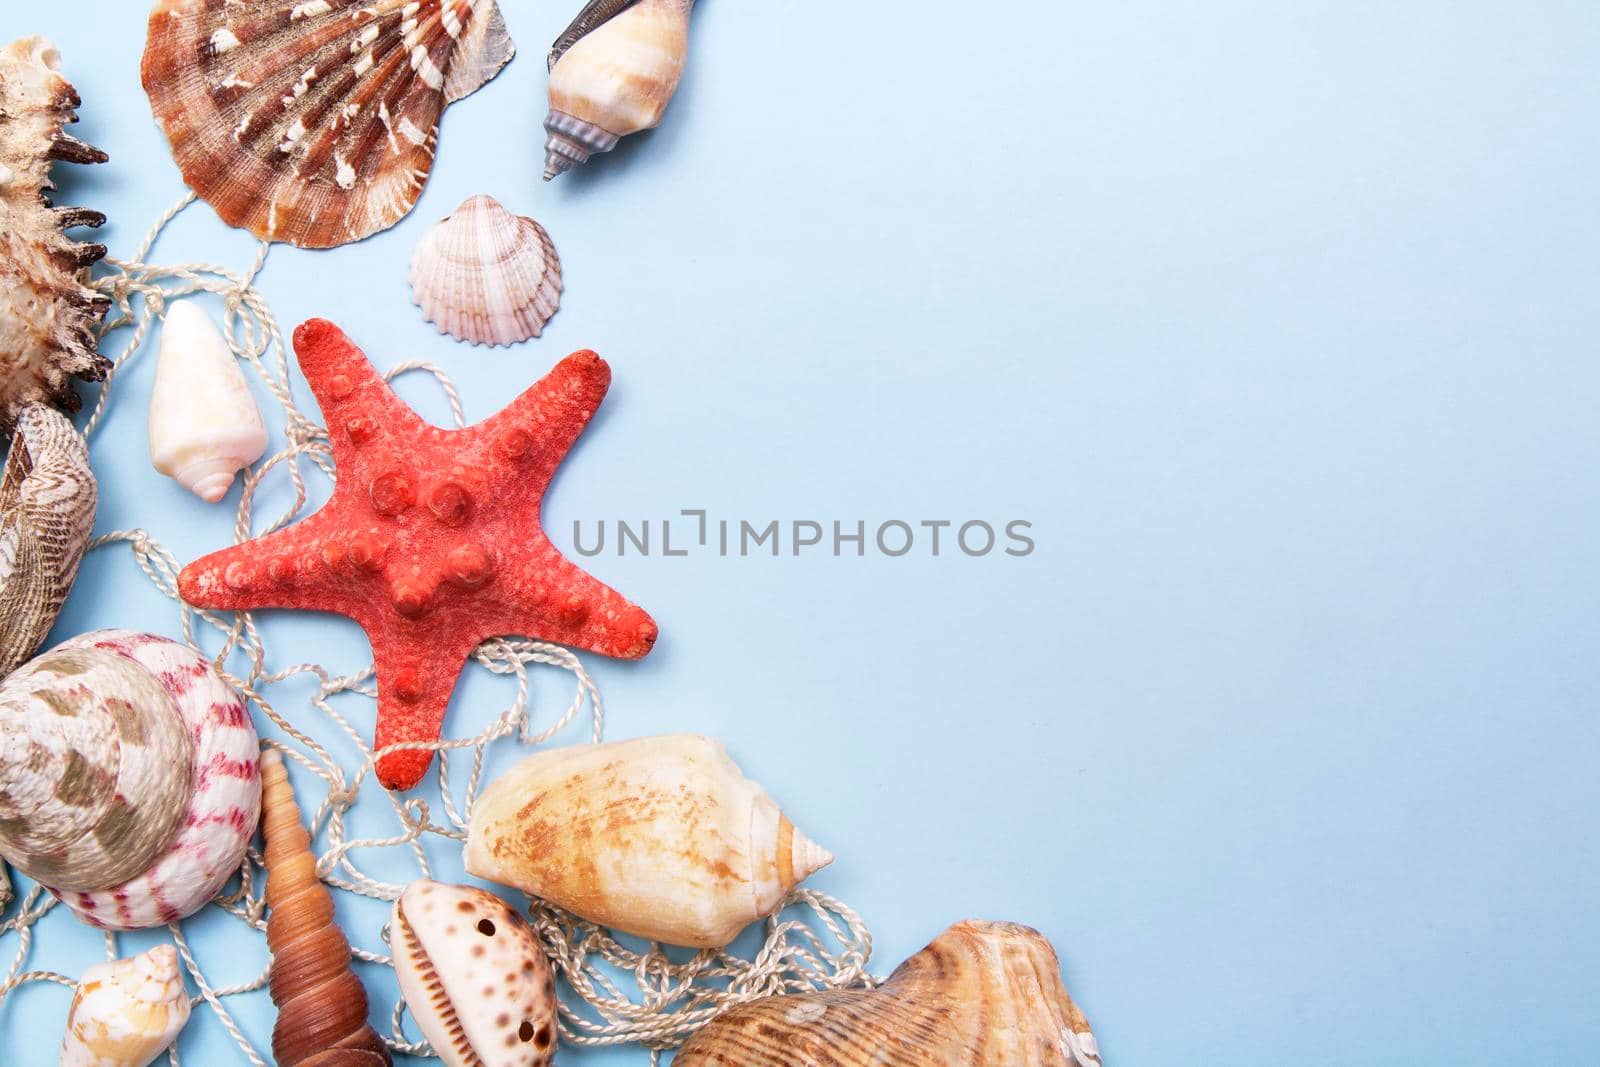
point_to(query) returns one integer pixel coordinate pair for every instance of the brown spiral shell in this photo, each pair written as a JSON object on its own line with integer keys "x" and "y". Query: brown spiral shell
{"x": 322, "y": 1007}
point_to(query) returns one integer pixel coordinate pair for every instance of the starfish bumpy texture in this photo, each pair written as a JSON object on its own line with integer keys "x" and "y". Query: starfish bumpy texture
{"x": 431, "y": 540}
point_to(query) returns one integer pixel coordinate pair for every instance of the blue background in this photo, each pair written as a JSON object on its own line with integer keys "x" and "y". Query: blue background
{"x": 1276, "y": 320}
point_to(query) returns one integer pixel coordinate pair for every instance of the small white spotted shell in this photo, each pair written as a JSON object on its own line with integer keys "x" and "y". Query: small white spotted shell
{"x": 126, "y": 1012}
{"x": 474, "y": 976}
{"x": 487, "y": 276}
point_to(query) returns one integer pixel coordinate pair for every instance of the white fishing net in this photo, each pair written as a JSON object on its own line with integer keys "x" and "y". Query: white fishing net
{"x": 612, "y": 994}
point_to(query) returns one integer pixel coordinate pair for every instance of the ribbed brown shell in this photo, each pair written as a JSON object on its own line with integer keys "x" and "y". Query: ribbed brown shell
{"x": 313, "y": 121}
{"x": 322, "y": 1007}
{"x": 981, "y": 995}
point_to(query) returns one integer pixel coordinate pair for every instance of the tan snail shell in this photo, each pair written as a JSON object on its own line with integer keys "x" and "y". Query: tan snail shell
{"x": 314, "y": 121}
{"x": 612, "y": 73}
{"x": 48, "y": 314}
{"x": 474, "y": 976}
{"x": 662, "y": 837}
{"x": 47, "y": 503}
{"x": 487, "y": 276}
{"x": 322, "y": 1007}
{"x": 981, "y": 995}
{"x": 126, "y": 1012}
{"x": 128, "y": 783}
{"x": 204, "y": 424}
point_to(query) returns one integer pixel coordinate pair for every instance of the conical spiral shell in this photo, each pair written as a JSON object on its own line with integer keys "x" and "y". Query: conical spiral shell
{"x": 322, "y": 1007}
{"x": 128, "y": 782}
{"x": 313, "y": 121}
{"x": 487, "y": 276}
{"x": 981, "y": 995}
{"x": 126, "y": 1012}
{"x": 662, "y": 837}
{"x": 47, "y": 504}
{"x": 613, "y": 73}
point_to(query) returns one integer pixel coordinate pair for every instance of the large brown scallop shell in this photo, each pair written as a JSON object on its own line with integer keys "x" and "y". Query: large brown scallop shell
{"x": 982, "y": 994}
{"x": 314, "y": 121}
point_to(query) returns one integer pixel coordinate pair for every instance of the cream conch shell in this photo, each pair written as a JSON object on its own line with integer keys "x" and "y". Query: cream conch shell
{"x": 128, "y": 781}
{"x": 981, "y": 995}
{"x": 126, "y": 1012}
{"x": 204, "y": 424}
{"x": 47, "y": 502}
{"x": 612, "y": 73}
{"x": 474, "y": 976}
{"x": 487, "y": 276}
{"x": 314, "y": 121}
{"x": 662, "y": 837}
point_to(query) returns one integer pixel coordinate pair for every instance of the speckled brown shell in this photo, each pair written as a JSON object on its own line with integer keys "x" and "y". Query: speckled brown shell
{"x": 314, "y": 121}
{"x": 981, "y": 995}
{"x": 48, "y": 314}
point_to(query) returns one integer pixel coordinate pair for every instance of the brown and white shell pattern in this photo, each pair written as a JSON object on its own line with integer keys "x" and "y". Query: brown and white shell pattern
{"x": 983, "y": 994}
{"x": 487, "y": 276}
{"x": 47, "y": 504}
{"x": 314, "y": 121}
{"x": 474, "y": 977}
{"x": 48, "y": 314}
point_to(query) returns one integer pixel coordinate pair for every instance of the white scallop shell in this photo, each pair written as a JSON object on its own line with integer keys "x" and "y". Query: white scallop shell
{"x": 487, "y": 276}
{"x": 474, "y": 976}
{"x": 129, "y": 784}
{"x": 204, "y": 424}
{"x": 126, "y": 1012}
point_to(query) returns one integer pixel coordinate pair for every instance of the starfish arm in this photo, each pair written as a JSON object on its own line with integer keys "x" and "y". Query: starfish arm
{"x": 415, "y": 679}
{"x": 357, "y": 404}
{"x": 545, "y": 421}
{"x": 285, "y": 569}
{"x": 559, "y": 602}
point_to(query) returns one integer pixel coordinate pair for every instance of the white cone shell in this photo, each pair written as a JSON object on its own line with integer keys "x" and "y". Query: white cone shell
{"x": 126, "y": 1012}
{"x": 662, "y": 837}
{"x": 487, "y": 276}
{"x": 204, "y": 423}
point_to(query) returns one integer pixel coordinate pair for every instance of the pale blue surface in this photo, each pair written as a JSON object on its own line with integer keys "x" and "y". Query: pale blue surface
{"x": 1277, "y": 320}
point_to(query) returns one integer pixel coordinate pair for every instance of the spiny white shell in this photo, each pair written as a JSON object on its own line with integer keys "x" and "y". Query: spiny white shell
{"x": 615, "y": 79}
{"x": 128, "y": 777}
{"x": 662, "y": 837}
{"x": 474, "y": 976}
{"x": 126, "y": 1012}
{"x": 487, "y": 276}
{"x": 47, "y": 503}
{"x": 204, "y": 423}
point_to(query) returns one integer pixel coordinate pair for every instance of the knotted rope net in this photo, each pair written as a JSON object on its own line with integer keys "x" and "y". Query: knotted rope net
{"x": 613, "y": 994}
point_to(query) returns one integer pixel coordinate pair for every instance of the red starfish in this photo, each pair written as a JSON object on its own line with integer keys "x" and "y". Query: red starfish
{"x": 431, "y": 540}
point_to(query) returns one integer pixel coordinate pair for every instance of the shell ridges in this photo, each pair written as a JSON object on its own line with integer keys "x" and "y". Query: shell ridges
{"x": 487, "y": 276}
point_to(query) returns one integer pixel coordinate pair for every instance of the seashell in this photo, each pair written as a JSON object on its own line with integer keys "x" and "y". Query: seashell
{"x": 474, "y": 976}
{"x": 47, "y": 502}
{"x": 662, "y": 837}
{"x": 204, "y": 424}
{"x": 981, "y": 995}
{"x": 128, "y": 783}
{"x": 48, "y": 314}
{"x": 126, "y": 1012}
{"x": 487, "y": 276}
{"x": 322, "y": 1008}
{"x": 314, "y": 121}
{"x": 612, "y": 73}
